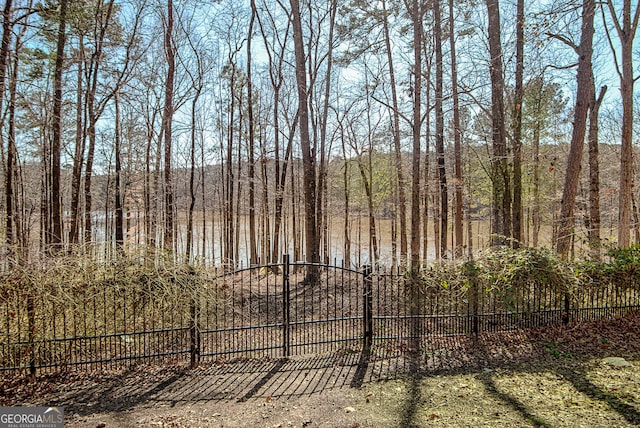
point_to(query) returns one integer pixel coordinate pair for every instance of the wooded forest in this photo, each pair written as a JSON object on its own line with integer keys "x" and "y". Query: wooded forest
{"x": 227, "y": 133}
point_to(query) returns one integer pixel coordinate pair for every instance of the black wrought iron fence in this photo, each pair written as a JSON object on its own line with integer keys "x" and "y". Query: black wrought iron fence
{"x": 273, "y": 311}
{"x": 68, "y": 324}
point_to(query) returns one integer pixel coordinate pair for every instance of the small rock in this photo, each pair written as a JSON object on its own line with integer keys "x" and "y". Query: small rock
{"x": 616, "y": 362}
{"x": 101, "y": 425}
{"x": 349, "y": 409}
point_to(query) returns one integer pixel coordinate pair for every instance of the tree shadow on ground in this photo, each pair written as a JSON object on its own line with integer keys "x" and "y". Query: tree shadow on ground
{"x": 412, "y": 404}
{"x": 576, "y": 375}
{"x": 515, "y": 404}
{"x": 567, "y": 366}
{"x": 362, "y": 368}
{"x": 580, "y": 381}
{"x": 247, "y": 380}
{"x": 414, "y": 395}
{"x": 449, "y": 357}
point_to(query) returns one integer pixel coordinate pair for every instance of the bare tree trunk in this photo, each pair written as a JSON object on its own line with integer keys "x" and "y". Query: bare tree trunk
{"x": 88, "y": 201}
{"x": 192, "y": 179}
{"x": 280, "y": 190}
{"x": 56, "y": 143}
{"x": 442, "y": 175}
{"x": 499, "y": 170}
{"x": 239, "y": 190}
{"x": 281, "y": 179}
{"x": 626, "y": 34}
{"x": 594, "y": 177}
{"x": 402, "y": 198}
{"x": 167, "y": 125}
{"x": 583, "y": 98}
{"x": 457, "y": 139}
{"x": 266, "y": 211}
{"x": 11, "y": 168}
{"x": 345, "y": 181}
{"x": 107, "y": 218}
{"x": 203, "y": 184}
{"x": 45, "y": 191}
{"x": 373, "y": 244}
{"x": 119, "y": 212}
{"x": 221, "y": 220}
{"x": 253, "y": 249}
{"x": 295, "y": 226}
{"x": 149, "y": 211}
{"x": 158, "y": 192}
{"x": 322, "y": 221}
{"x": 535, "y": 216}
{"x": 229, "y": 177}
{"x": 437, "y": 234}
{"x": 517, "y": 128}
{"x": 426, "y": 197}
{"x": 470, "y": 246}
{"x": 416, "y": 16}
{"x": 78, "y": 157}
{"x": 94, "y": 111}
{"x": 308, "y": 158}
{"x": 7, "y": 28}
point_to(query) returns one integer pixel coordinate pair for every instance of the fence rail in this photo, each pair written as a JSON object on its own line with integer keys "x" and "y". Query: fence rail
{"x": 271, "y": 311}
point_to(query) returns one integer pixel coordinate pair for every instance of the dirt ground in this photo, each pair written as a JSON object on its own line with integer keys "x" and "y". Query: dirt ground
{"x": 581, "y": 375}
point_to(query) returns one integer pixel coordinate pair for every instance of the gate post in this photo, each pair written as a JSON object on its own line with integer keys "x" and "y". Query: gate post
{"x": 367, "y": 307}
{"x": 286, "y": 305}
{"x": 194, "y": 315}
{"x": 31, "y": 323}
{"x": 567, "y": 308}
{"x": 194, "y": 333}
{"x": 471, "y": 273}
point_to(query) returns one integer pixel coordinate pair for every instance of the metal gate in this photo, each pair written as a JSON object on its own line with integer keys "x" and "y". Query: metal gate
{"x": 286, "y": 309}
